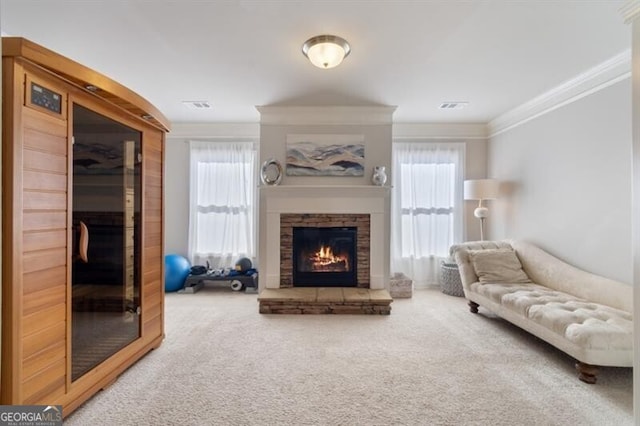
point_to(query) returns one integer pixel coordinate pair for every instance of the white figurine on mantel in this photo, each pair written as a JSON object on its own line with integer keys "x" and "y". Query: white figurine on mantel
{"x": 379, "y": 175}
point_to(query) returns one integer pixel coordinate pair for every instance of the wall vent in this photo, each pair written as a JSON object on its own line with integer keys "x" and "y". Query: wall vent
{"x": 453, "y": 105}
{"x": 199, "y": 105}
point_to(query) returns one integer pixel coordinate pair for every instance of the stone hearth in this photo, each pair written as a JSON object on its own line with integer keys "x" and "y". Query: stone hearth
{"x": 323, "y": 300}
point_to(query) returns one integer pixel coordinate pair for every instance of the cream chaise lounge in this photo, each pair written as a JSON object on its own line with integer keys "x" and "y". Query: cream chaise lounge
{"x": 587, "y": 316}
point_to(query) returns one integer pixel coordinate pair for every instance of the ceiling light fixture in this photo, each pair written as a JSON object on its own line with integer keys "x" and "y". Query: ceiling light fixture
{"x": 326, "y": 51}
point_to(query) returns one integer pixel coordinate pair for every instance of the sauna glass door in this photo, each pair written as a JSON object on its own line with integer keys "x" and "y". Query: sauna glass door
{"x": 106, "y": 238}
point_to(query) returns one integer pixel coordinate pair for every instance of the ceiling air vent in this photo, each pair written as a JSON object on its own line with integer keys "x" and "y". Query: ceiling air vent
{"x": 453, "y": 105}
{"x": 197, "y": 105}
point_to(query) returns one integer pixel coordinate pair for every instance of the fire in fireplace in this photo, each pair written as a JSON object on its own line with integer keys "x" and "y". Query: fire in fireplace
{"x": 324, "y": 257}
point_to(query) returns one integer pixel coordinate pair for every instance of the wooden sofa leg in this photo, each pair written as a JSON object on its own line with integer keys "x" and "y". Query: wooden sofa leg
{"x": 473, "y": 307}
{"x": 586, "y": 372}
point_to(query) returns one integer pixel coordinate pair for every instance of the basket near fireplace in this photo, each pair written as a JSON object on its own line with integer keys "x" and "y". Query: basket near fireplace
{"x": 400, "y": 286}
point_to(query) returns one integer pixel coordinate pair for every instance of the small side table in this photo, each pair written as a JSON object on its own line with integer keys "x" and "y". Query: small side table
{"x": 450, "y": 281}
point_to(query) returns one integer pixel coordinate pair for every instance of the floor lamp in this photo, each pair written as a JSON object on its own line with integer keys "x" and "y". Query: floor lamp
{"x": 481, "y": 189}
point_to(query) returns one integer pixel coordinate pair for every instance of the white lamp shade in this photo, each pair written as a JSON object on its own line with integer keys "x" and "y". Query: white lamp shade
{"x": 481, "y": 189}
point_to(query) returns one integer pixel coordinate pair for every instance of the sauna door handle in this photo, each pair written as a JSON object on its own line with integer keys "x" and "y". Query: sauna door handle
{"x": 83, "y": 244}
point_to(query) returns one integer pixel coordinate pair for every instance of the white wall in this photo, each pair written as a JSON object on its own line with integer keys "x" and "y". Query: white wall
{"x": 475, "y": 168}
{"x": 568, "y": 182}
{"x": 377, "y": 151}
{"x": 634, "y": 19}
{"x": 176, "y": 192}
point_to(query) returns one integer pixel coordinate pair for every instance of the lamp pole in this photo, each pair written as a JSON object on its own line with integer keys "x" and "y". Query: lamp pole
{"x": 481, "y": 213}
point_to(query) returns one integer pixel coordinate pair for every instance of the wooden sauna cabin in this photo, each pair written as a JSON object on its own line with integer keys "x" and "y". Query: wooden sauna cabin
{"x": 82, "y": 228}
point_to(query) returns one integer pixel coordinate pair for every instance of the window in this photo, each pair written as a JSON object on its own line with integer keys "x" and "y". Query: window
{"x": 222, "y": 217}
{"x": 426, "y": 206}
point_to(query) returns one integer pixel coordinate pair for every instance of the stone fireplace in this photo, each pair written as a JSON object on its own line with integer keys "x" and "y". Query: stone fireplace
{"x": 324, "y": 250}
{"x": 363, "y": 208}
{"x": 318, "y": 194}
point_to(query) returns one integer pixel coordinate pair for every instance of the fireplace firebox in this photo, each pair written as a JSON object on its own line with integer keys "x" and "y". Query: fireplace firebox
{"x": 324, "y": 257}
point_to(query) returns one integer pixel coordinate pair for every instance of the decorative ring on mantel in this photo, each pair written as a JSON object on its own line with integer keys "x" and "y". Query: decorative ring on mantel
{"x": 271, "y": 172}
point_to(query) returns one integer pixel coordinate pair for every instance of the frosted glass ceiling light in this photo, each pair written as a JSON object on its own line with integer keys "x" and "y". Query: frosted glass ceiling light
{"x": 326, "y": 51}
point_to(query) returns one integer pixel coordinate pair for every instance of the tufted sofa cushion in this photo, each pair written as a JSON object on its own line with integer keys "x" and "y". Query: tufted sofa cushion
{"x": 588, "y": 325}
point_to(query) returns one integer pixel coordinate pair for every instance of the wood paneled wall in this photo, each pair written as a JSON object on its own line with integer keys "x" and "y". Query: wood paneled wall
{"x": 44, "y": 257}
{"x": 153, "y": 283}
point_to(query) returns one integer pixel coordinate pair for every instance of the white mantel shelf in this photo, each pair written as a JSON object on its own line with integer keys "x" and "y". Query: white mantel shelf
{"x": 325, "y": 190}
{"x": 325, "y": 198}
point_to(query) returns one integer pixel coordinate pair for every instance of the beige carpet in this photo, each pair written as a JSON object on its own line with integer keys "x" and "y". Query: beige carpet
{"x": 430, "y": 362}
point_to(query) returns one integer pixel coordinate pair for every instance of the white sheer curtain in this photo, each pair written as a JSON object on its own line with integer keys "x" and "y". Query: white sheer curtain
{"x": 222, "y": 202}
{"x": 426, "y": 207}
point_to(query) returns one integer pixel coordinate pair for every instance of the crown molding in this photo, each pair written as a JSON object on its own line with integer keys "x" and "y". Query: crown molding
{"x": 325, "y": 115}
{"x": 439, "y": 131}
{"x": 630, "y": 11}
{"x": 597, "y": 78}
{"x": 187, "y": 130}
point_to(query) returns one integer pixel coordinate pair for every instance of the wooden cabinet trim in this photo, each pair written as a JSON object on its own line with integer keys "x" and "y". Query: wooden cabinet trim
{"x": 82, "y": 76}
{"x": 12, "y": 87}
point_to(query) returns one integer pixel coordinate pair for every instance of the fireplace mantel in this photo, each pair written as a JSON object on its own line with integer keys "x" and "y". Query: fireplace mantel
{"x": 346, "y": 199}
{"x": 292, "y": 189}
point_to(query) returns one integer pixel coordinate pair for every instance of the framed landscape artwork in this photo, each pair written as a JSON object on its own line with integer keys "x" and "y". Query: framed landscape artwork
{"x": 325, "y": 155}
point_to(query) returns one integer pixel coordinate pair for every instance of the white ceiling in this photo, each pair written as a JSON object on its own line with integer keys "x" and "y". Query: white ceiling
{"x": 412, "y": 54}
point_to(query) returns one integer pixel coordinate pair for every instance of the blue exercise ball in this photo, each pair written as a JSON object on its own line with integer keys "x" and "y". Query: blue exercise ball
{"x": 176, "y": 270}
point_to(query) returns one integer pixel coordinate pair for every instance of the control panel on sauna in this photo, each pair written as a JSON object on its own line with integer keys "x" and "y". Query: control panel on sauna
{"x": 46, "y": 98}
